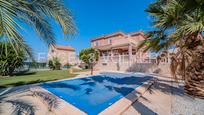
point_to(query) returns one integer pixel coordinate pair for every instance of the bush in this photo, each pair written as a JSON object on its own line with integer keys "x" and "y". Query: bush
{"x": 54, "y": 64}
{"x": 10, "y": 58}
{"x": 50, "y": 64}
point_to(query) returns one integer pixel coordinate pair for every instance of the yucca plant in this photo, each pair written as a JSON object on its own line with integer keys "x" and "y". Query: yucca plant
{"x": 179, "y": 24}
{"x": 54, "y": 64}
{"x": 9, "y": 60}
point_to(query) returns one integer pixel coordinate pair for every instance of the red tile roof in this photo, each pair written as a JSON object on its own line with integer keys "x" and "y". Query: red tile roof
{"x": 67, "y": 48}
{"x": 108, "y": 36}
{"x": 119, "y": 33}
{"x": 137, "y": 33}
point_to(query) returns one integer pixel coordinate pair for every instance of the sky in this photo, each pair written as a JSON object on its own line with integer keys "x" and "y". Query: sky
{"x": 94, "y": 18}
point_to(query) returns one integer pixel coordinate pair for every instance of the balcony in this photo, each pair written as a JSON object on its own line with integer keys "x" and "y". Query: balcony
{"x": 118, "y": 42}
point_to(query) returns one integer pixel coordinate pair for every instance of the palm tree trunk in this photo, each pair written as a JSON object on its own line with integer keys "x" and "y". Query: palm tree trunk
{"x": 194, "y": 83}
{"x": 91, "y": 67}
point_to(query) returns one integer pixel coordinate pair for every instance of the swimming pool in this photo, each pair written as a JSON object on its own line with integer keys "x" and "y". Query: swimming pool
{"x": 94, "y": 94}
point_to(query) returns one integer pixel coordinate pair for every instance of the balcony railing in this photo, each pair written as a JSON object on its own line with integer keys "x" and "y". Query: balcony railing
{"x": 123, "y": 59}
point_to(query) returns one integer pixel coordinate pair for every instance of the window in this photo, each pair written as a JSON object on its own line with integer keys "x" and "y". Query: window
{"x": 97, "y": 43}
{"x": 52, "y": 51}
{"x": 110, "y": 40}
{"x": 93, "y": 43}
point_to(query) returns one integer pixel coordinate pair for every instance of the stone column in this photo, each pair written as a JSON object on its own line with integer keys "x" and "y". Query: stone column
{"x": 123, "y": 57}
{"x": 111, "y": 55}
{"x": 130, "y": 53}
{"x": 103, "y": 57}
{"x": 119, "y": 60}
{"x": 168, "y": 57}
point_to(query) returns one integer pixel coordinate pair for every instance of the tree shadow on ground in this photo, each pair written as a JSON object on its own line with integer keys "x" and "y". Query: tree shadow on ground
{"x": 22, "y": 106}
{"x": 19, "y": 106}
{"x": 167, "y": 87}
{"x": 22, "y": 73}
{"x": 142, "y": 109}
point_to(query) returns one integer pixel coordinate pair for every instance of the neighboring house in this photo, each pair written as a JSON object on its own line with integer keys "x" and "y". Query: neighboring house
{"x": 119, "y": 50}
{"x": 66, "y": 54}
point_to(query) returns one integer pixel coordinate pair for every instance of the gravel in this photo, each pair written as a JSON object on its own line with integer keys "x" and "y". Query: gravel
{"x": 185, "y": 105}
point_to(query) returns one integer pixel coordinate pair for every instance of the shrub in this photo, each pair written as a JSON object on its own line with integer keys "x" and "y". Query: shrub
{"x": 10, "y": 58}
{"x": 50, "y": 64}
{"x": 54, "y": 64}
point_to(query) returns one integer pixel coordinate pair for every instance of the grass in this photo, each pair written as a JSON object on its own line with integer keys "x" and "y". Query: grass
{"x": 79, "y": 70}
{"x": 34, "y": 77}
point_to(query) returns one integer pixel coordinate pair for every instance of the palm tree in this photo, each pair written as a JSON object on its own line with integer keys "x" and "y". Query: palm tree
{"x": 36, "y": 14}
{"x": 179, "y": 24}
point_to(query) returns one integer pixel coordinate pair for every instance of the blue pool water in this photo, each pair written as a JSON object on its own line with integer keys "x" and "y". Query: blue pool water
{"x": 94, "y": 94}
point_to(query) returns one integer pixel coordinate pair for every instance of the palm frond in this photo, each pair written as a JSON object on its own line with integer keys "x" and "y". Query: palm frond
{"x": 59, "y": 12}
{"x": 36, "y": 14}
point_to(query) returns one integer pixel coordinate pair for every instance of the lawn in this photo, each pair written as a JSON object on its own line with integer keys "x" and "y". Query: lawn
{"x": 81, "y": 70}
{"x": 34, "y": 77}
